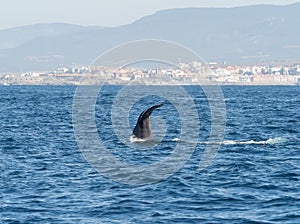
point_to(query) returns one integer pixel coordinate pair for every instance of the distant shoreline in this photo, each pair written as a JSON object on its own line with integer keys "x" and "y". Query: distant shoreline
{"x": 188, "y": 74}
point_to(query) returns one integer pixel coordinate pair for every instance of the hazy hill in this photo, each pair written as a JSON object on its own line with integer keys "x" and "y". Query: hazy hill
{"x": 14, "y": 37}
{"x": 249, "y": 34}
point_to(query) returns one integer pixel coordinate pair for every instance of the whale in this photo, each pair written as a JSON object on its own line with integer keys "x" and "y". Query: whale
{"x": 142, "y": 130}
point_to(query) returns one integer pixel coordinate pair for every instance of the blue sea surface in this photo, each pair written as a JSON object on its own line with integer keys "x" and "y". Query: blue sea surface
{"x": 255, "y": 177}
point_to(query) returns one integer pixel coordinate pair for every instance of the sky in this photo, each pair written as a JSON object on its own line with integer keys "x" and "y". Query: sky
{"x": 108, "y": 13}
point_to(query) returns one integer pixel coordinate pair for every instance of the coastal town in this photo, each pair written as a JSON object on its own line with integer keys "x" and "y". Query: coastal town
{"x": 184, "y": 74}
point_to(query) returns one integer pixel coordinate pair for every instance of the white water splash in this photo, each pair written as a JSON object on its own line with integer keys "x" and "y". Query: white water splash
{"x": 271, "y": 141}
{"x": 276, "y": 140}
{"x": 136, "y": 139}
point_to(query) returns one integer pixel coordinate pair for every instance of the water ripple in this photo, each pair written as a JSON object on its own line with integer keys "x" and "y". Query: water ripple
{"x": 46, "y": 179}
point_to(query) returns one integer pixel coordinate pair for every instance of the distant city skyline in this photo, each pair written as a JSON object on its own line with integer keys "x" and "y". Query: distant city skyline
{"x": 102, "y": 13}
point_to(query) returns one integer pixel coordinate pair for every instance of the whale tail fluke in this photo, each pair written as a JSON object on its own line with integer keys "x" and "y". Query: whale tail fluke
{"x": 142, "y": 128}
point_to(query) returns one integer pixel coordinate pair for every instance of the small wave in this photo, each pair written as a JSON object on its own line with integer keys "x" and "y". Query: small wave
{"x": 271, "y": 141}
{"x": 176, "y": 140}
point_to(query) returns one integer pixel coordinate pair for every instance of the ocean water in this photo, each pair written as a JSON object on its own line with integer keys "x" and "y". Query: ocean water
{"x": 254, "y": 178}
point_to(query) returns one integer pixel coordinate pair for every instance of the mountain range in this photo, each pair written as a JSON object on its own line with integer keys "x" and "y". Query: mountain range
{"x": 241, "y": 35}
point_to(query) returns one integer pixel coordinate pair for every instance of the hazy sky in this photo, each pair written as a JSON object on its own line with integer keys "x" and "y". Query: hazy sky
{"x": 101, "y": 12}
